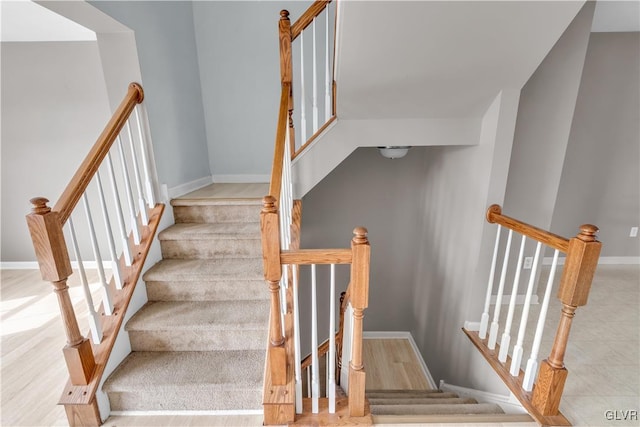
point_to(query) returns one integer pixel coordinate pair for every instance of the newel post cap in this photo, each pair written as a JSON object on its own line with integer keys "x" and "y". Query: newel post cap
{"x": 40, "y": 205}
{"x": 269, "y": 204}
{"x": 284, "y": 14}
{"x": 360, "y": 236}
{"x": 587, "y": 233}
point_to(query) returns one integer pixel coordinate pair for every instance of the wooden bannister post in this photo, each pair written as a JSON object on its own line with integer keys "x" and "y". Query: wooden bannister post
{"x": 272, "y": 274}
{"x": 580, "y": 266}
{"x": 51, "y": 251}
{"x": 359, "y": 301}
{"x": 286, "y": 66}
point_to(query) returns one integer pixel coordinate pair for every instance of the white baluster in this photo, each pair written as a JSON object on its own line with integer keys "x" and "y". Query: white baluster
{"x": 315, "y": 369}
{"x": 532, "y": 363}
{"x": 327, "y": 82}
{"x": 331, "y": 386}
{"x": 135, "y": 231}
{"x": 115, "y": 264}
{"x": 516, "y": 360}
{"x": 106, "y": 294}
{"x": 506, "y": 335}
{"x": 145, "y": 161}
{"x": 303, "y": 101}
{"x": 142, "y": 204}
{"x": 484, "y": 320}
{"x": 315, "y": 81}
{"x": 126, "y": 251}
{"x": 94, "y": 320}
{"x": 296, "y": 338}
{"x": 493, "y": 332}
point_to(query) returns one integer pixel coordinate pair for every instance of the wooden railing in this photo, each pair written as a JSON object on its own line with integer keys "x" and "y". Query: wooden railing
{"x": 539, "y": 387}
{"x": 86, "y": 359}
{"x": 280, "y": 228}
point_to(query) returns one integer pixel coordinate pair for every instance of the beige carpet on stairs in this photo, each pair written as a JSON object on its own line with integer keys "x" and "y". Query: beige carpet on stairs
{"x": 199, "y": 343}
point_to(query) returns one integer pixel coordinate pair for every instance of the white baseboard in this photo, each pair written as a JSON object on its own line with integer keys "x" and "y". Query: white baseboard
{"x": 241, "y": 179}
{"x": 188, "y": 187}
{"x": 508, "y": 403}
{"x": 33, "y": 265}
{"x": 403, "y": 335}
{"x": 188, "y": 413}
{"x": 603, "y": 260}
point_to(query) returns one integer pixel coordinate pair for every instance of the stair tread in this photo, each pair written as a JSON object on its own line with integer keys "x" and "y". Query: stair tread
{"x": 194, "y": 201}
{"x": 151, "y": 371}
{"x": 421, "y": 401}
{"x": 207, "y": 231}
{"x": 437, "y": 409}
{"x": 201, "y": 315}
{"x": 206, "y": 269}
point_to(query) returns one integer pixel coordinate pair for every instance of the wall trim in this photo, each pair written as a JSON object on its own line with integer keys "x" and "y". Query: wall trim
{"x": 189, "y": 413}
{"x": 33, "y": 265}
{"x": 242, "y": 179}
{"x": 188, "y": 187}
{"x": 403, "y": 335}
{"x": 508, "y": 403}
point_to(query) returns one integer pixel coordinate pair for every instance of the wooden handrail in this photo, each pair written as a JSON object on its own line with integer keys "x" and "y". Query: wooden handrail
{"x": 278, "y": 155}
{"x": 494, "y": 215}
{"x": 308, "y": 16}
{"x": 316, "y": 256}
{"x": 91, "y": 163}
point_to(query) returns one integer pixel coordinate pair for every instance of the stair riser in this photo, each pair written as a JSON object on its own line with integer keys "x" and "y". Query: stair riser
{"x": 212, "y": 214}
{"x": 211, "y": 248}
{"x": 208, "y": 291}
{"x": 197, "y": 340}
{"x": 208, "y": 400}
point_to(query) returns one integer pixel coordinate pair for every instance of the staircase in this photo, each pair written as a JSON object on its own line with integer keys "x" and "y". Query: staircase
{"x": 198, "y": 344}
{"x": 434, "y": 406}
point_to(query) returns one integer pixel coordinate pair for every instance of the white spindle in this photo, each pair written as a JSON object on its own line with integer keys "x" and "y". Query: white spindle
{"x": 315, "y": 81}
{"x": 506, "y": 335}
{"x": 532, "y": 363}
{"x": 296, "y": 339}
{"x": 106, "y": 294}
{"x": 327, "y": 60}
{"x": 516, "y": 360}
{"x": 135, "y": 231}
{"x": 484, "y": 320}
{"x": 142, "y": 203}
{"x": 126, "y": 251}
{"x": 315, "y": 368}
{"x": 331, "y": 386}
{"x": 303, "y": 100}
{"x": 493, "y": 332}
{"x": 148, "y": 183}
{"x": 94, "y": 320}
{"x": 115, "y": 264}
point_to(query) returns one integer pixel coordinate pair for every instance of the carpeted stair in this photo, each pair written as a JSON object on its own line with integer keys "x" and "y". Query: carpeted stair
{"x": 199, "y": 343}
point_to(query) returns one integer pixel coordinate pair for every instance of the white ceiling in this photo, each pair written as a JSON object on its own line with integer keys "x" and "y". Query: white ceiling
{"x": 441, "y": 59}
{"x": 26, "y": 21}
{"x": 616, "y": 16}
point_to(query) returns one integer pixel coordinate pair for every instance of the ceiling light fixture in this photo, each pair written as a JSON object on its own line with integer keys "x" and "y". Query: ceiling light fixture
{"x": 394, "y": 152}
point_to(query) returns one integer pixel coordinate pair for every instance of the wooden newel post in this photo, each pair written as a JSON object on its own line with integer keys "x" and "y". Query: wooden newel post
{"x": 51, "y": 251}
{"x": 575, "y": 284}
{"x": 359, "y": 301}
{"x": 272, "y": 274}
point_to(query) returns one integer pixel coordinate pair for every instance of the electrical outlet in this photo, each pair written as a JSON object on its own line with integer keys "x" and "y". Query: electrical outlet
{"x": 634, "y": 232}
{"x": 528, "y": 262}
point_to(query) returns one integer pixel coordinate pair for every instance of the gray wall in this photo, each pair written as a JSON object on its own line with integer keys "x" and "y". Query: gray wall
{"x": 240, "y": 73}
{"x": 547, "y": 103}
{"x": 54, "y": 106}
{"x": 164, "y": 34}
{"x": 601, "y": 176}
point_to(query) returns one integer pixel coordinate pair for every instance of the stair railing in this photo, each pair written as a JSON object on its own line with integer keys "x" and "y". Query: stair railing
{"x": 540, "y": 385}
{"x": 86, "y": 358}
{"x": 280, "y": 228}
{"x": 308, "y": 47}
